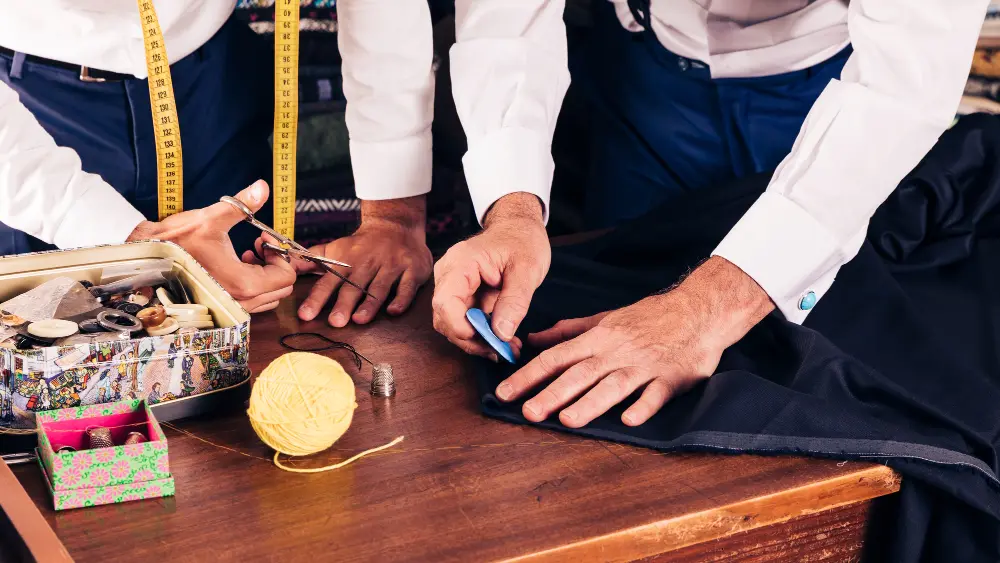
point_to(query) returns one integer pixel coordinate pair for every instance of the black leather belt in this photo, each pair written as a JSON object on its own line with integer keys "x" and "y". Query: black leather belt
{"x": 86, "y": 74}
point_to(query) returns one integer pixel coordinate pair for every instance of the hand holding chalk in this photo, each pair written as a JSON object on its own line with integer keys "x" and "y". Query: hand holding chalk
{"x": 481, "y": 322}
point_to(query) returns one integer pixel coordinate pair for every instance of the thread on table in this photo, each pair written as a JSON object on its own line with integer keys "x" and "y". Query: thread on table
{"x": 301, "y": 404}
{"x": 287, "y": 341}
{"x": 383, "y": 383}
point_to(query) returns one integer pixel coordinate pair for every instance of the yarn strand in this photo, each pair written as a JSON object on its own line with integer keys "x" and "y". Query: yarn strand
{"x": 337, "y": 465}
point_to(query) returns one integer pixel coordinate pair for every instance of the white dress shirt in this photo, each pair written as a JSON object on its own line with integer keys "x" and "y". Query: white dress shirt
{"x": 43, "y": 190}
{"x": 898, "y": 92}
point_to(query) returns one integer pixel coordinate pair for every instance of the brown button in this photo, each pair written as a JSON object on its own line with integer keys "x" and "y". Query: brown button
{"x": 152, "y": 316}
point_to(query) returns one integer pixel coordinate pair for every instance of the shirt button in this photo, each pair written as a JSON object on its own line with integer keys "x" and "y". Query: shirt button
{"x": 808, "y": 301}
{"x": 683, "y": 64}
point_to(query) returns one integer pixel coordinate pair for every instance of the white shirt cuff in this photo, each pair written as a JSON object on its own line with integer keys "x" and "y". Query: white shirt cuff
{"x": 100, "y": 216}
{"x": 392, "y": 169}
{"x": 507, "y": 161}
{"x": 793, "y": 257}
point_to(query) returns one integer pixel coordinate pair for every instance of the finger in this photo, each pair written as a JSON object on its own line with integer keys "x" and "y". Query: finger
{"x": 225, "y": 215}
{"x": 318, "y": 296}
{"x": 406, "y": 291}
{"x": 307, "y": 266}
{"x": 547, "y": 365}
{"x": 250, "y": 258}
{"x": 515, "y": 346}
{"x": 265, "y": 307}
{"x": 475, "y": 348}
{"x": 380, "y": 288}
{"x": 511, "y": 306}
{"x": 349, "y": 296}
{"x": 574, "y": 382}
{"x": 612, "y": 389}
{"x": 563, "y": 331}
{"x": 487, "y": 298}
{"x": 253, "y": 304}
{"x": 656, "y": 394}
{"x": 248, "y": 282}
{"x": 453, "y": 295}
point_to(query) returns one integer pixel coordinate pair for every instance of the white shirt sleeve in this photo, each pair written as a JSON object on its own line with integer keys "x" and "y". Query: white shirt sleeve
{"x": 509, "y": 77}
{"x": 45, "y": 193}
{"x": 898, "y": 92}
{"x": 388, "y": 52}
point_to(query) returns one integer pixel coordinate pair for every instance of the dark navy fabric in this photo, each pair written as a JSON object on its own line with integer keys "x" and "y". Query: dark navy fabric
{"x": 224, "y": 96}
{"x": 662, "y": 127}
{"x": 897, "y": 364}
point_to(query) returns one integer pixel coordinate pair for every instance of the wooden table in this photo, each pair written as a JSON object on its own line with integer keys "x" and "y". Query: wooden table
{"x": 462, "y": 486}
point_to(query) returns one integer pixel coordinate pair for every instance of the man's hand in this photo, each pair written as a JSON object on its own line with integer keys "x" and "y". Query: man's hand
{"x": 204, "y": 233}
{"x": 665, "y": 343}
{"x": 389, "y": 249}
{"x": 497, "y": 270}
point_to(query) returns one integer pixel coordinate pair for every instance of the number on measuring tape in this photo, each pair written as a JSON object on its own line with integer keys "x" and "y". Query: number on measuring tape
{"x": 286, "y": 113}
{"x": 169, "y": 167}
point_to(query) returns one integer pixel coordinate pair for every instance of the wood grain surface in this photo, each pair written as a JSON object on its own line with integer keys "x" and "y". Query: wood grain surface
{"x": 461, "y": 487}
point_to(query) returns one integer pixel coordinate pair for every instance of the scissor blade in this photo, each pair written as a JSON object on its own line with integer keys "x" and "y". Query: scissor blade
{"x": 349, "y": 282}
{"x": 325, "y": 260}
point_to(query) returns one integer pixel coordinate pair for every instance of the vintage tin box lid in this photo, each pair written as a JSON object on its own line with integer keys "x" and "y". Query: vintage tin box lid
{"x": 22, "y": 272}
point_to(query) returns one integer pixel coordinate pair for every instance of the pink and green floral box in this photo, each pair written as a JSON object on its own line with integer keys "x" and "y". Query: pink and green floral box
{"x": 90, "y": 477}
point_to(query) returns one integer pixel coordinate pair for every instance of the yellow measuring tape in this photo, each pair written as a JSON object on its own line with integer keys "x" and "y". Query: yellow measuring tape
{"x": 286, "y": 112}
{"x": 170, "y": 178}
{"x": 169, "y": 168}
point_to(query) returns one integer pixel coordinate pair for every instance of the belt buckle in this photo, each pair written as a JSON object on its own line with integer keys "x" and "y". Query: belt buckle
{"x": 86, "y": 77}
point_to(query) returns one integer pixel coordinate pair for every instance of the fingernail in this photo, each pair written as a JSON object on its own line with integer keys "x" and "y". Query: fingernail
{"x": 339, "y": 320}
{"x": 627, "y": 418}
{"x": 531, "y": 408}
{"x": 569, "y": 414}
{"x": 505, "y": 329}
{"x": 305, "y": 311}
{"x": 257, "y": 193}
{"x": 504, "y": 391}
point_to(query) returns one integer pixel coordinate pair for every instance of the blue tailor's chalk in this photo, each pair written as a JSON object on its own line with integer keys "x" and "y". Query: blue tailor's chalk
{"x": 481, "y": 322}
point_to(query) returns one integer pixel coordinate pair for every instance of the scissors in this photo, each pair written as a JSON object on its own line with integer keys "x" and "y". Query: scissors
{"x": 294, "y": 248}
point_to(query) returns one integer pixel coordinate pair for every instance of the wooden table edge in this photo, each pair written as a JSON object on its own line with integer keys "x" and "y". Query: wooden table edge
{"x": 38, "y": 537}
{"x": 699, "y": 527}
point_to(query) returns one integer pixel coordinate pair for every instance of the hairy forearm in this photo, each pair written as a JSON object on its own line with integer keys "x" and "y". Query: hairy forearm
{"x": 724, "y": 300}
{"x": 518, "y": 205}
{"x": 408, "y": 212}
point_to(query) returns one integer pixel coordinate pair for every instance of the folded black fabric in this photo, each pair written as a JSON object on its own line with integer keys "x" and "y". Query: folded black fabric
{"x": 897, "y": 363}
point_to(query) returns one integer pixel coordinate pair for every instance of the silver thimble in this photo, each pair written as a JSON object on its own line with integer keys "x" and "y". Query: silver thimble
{"x": 135, "y": 438}
{"x": 383, "y": 384}
{"x": 100, "y": 437}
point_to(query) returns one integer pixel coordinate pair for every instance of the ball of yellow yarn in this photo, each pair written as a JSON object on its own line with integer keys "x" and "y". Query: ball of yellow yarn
{"x": 302, "y": 403}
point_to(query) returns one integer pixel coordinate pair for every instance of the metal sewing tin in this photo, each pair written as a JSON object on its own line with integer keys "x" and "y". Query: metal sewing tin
{"x": 201, "y": 370}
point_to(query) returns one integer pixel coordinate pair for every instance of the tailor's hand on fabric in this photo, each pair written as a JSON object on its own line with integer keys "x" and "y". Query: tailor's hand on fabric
{"x": 204, "y": 233}
{"x": 389, "y": 249}
{"x": 497, "y": 271}
{"x": 665, "y": 343}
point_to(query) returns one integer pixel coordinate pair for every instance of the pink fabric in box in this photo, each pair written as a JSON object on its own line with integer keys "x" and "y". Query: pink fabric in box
{"x": 73, "y": 432}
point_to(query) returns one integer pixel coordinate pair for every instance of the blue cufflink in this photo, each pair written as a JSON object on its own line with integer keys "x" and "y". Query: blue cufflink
{"x": 481, "y": 322}
{"x": 808, "y": 301}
